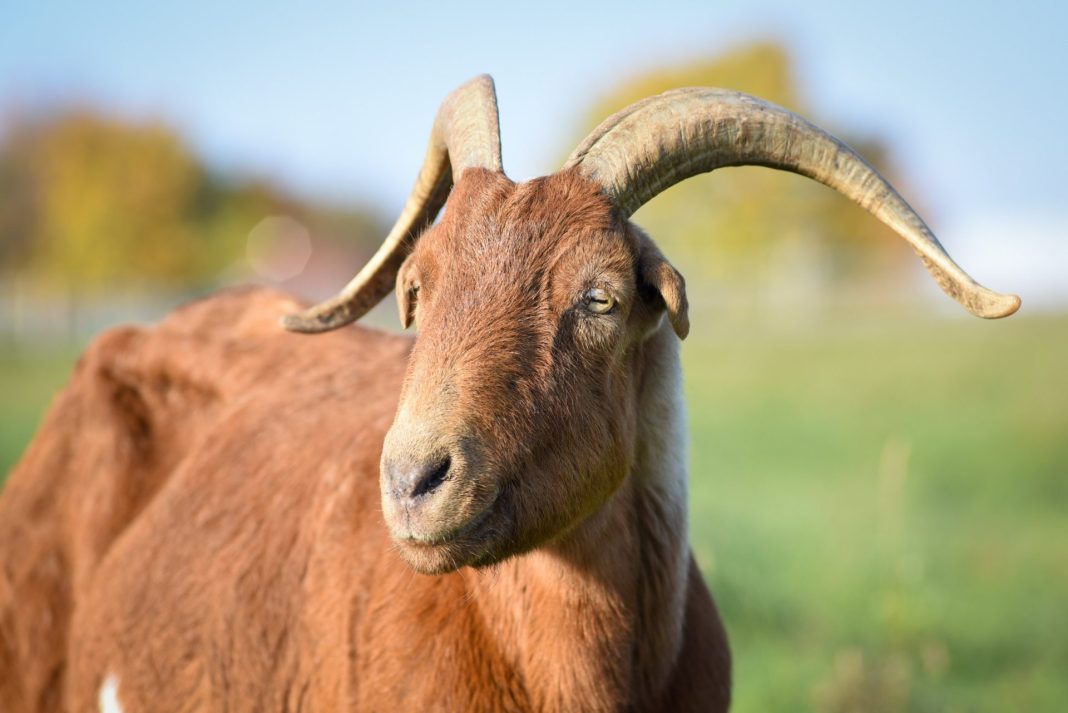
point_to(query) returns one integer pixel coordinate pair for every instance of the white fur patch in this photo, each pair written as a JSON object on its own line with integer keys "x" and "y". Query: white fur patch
{"x": 662, "y": 468}
{"x": 109, "y": 696}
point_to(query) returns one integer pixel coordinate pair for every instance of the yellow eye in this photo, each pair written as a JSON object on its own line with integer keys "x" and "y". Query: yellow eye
{"x": 598, "y": 301}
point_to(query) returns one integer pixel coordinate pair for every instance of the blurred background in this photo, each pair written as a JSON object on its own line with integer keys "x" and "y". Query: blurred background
{"x": 880, "y": 482}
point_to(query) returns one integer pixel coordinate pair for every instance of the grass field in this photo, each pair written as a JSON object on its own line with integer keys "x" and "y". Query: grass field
{"x": 881, "y": 508}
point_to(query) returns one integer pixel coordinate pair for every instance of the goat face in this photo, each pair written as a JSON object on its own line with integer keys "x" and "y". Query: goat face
{"x": 517, "y": 418}
{"x": 518, "y": 414}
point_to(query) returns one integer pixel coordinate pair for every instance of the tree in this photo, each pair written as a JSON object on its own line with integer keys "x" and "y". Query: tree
{"x": 94, "y": 203}
{"x": 752, "y": 226}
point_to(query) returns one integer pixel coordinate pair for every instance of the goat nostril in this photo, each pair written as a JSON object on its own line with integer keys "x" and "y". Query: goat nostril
{"x": 432, "y": 477}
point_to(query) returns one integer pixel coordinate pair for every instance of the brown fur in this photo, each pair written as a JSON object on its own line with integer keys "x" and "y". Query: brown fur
{"x": 200, "y": 516}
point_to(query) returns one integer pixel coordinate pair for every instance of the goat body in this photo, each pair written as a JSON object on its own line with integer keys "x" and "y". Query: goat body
{"x": 194, "y": 525}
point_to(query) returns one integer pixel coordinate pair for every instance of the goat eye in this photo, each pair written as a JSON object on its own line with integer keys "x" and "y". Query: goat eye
{"x": 598, "y": 301}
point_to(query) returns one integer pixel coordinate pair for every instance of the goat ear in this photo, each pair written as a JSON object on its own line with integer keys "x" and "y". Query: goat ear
{"x": 658, "y": 274}
{"x": 406, "y": 289}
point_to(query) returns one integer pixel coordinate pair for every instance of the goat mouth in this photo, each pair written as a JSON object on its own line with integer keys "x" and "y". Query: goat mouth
{"x": 468, "y": 544}
{"x": 455, "y": 534}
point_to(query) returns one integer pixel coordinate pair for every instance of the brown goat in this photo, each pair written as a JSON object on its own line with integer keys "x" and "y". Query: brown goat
{"x": 220, "y": 515}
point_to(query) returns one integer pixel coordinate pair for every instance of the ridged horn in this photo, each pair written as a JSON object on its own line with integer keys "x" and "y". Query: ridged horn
{"x": 655, "y": 143}
{"x": 466, "y": 134}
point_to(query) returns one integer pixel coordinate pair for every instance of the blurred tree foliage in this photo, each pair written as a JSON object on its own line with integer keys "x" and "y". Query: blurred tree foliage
{"x": 751, "y": 225}
{"x": 89, "y": 201}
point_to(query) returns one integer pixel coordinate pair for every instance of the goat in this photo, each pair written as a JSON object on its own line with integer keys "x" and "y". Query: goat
{"x": 218, "y": 514}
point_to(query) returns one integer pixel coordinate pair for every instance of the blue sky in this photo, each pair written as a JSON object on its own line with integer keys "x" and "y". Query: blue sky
{"x": 337, "y": 99}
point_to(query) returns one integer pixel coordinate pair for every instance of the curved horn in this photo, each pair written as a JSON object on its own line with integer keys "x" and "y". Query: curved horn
{"x": 466, "y": 135}
{"x": 655, "y": 143}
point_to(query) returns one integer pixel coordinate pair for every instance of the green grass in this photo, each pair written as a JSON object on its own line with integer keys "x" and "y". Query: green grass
{"x": 882, "y": 514}
{"x": 28, "y": 381}
{"x": 881, "y": 507}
